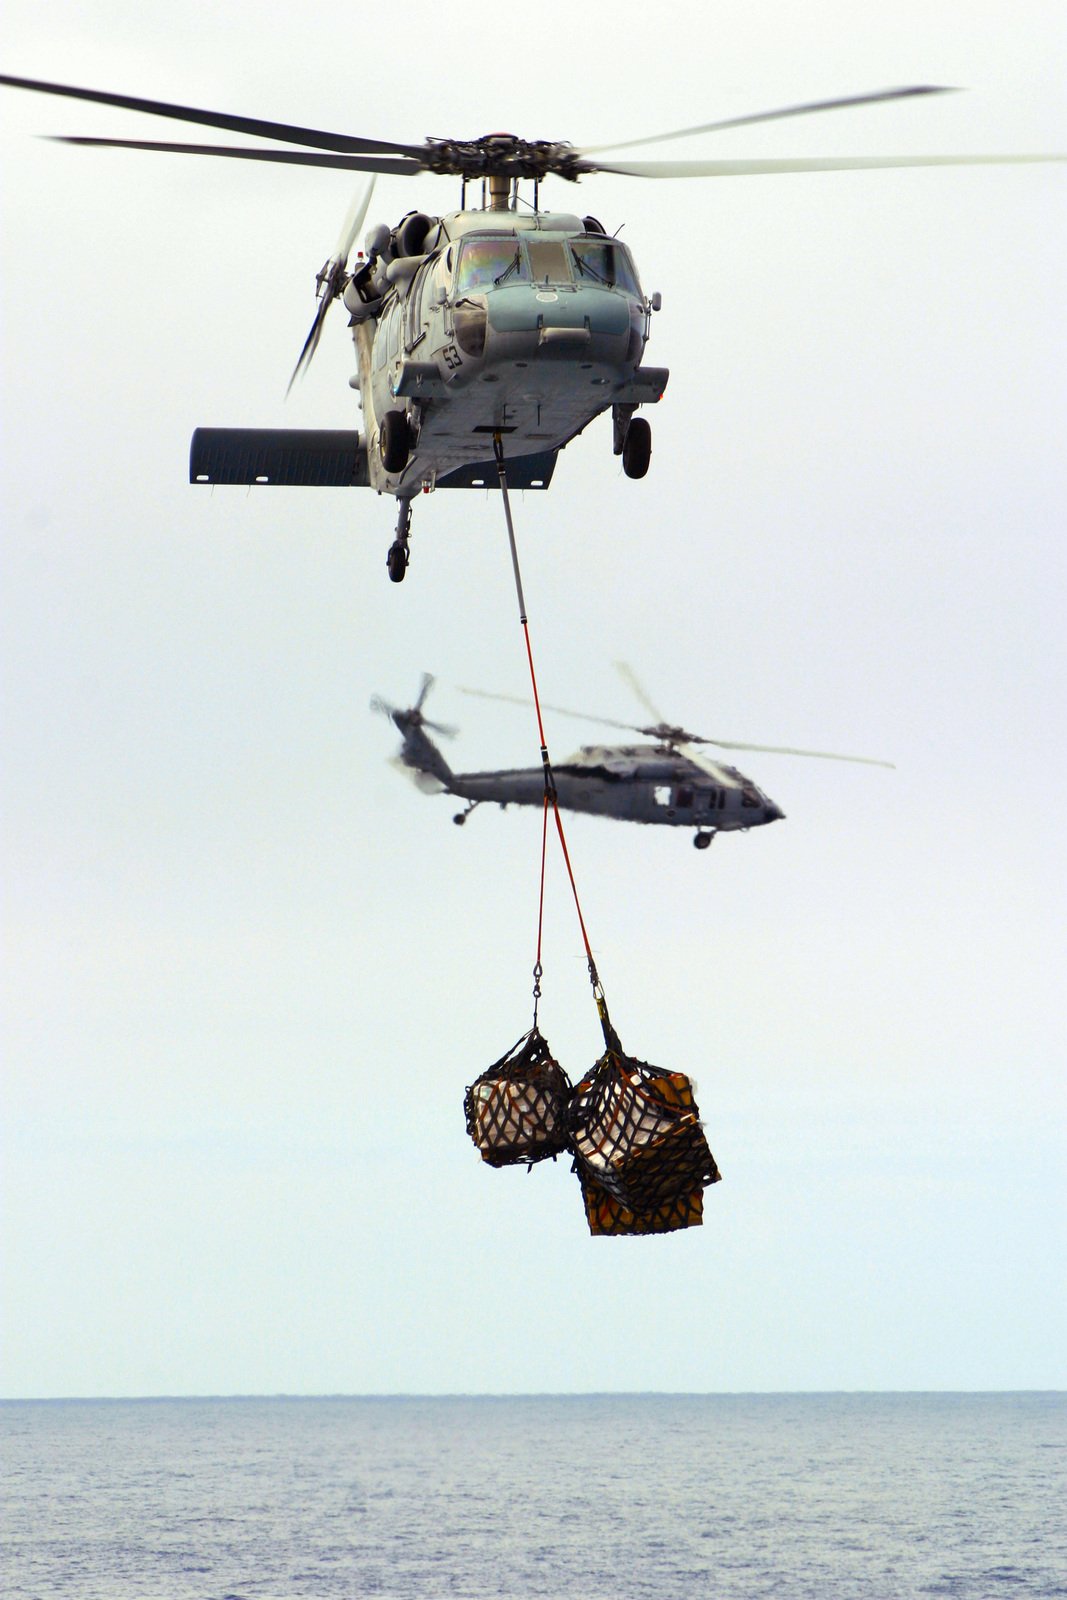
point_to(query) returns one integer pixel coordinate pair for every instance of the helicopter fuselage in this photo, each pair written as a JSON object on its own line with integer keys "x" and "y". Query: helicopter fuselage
{"x": 649, "y": 783}
{"x": 525, "y": 326}
{"x": 483, "y": 339}
{"x": 639, "y": 783}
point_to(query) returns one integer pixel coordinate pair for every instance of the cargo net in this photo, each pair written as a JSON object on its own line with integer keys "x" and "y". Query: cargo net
{"x": 517, "y": 1110}
{"x": 606, "y": 1215}
{"x": 639, "y": 1148}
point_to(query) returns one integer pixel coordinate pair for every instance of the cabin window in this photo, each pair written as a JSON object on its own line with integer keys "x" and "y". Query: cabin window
{"x": 749, "y": 797}
{"x": 548, "y": 261}
{"x": 381, "y": 342}
{"x": 418, "y": 303}
{"x": 603, "y": 261}
{"x": 486, "y": 263}
{"x": 683, "y": 796}
{"x": 428, "y": 284}
{"x": 661, "y": 795}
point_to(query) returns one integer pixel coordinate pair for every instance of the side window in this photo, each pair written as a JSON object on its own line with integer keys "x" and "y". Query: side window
{"x": 428, "y": 288}
{"x": 381, "y": 341}
{"x": 418, "y": 304}
{"x": 387, "y": 340}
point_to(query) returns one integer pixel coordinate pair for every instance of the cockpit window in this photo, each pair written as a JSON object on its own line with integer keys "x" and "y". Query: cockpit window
{"x": 485, "y": 263}
{"x": 603, "y": 261}
{"x": 548, "y": 261}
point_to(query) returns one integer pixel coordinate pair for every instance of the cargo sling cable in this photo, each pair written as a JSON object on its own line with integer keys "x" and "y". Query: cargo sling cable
{"x": 550, "y": 784}
{"x": 633, "y": 1130}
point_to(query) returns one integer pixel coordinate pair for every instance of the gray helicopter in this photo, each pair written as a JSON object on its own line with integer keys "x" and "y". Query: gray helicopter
{"x": 486, "y": 339}
{"x": 670, "y": 782}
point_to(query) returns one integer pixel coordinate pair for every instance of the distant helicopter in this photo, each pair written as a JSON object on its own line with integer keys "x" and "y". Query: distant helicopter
{"x": 479, "y": 331}
{"x": 670, "y": 782}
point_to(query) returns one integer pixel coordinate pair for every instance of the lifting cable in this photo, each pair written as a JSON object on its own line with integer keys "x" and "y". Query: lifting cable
{"x": 550, "y": 782}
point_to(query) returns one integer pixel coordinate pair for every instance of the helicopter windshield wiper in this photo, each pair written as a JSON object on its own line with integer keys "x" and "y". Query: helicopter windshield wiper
{"x": 513, "y": 266}
{"x": 589, "y": 271}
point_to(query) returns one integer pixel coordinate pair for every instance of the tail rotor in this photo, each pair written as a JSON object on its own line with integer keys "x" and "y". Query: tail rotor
{"x": 413, "y": 717}
{"x": 332, "y": 277}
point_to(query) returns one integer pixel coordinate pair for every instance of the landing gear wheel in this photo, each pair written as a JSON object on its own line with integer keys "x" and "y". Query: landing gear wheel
{"x": 399, "y": 551}
{"x": 636, "y": 448}
{"x": 394, "y": 441}
{"x": 397, "y": 561}
{"x": 701, "y": 841}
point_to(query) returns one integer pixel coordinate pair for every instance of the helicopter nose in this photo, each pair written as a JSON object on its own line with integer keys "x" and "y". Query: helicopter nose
{"x": 773, "y": 813}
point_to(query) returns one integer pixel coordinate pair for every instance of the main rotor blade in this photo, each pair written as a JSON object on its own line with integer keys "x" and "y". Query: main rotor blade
{"x": 315, "y": 137}
{"x": 747, "y": 169}
{"x": 774, "y": 116}
{"x": 699, "y": 759}
{"x": 690, "y": 741}
{"x": 630, "y": 678}
{"x": 559, "y": 711}
{"x": 789, "y": 750}
{"x": 297, "y": 158}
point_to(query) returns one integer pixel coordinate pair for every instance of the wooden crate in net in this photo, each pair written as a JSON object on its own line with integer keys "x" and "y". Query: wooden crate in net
{"x": 636, "y": 1136}
{"x": 606, "y": 1215}
{"x": 517, "y": 1110}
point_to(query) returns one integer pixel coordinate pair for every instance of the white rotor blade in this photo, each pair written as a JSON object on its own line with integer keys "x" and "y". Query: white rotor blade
{"x": 697, "y": 757}
{"x": 690, "y": 746}
{"x": 559, "y": 711}
{"x": 772, "y": 116}
{"x": 424, "y": 688}
{"x": 332, "y": 279}
{"x": 748, "y": 169}
{"x": 790, "y": 750}
{"x": 629, "y": 677}
{"x": 357, "y": 212}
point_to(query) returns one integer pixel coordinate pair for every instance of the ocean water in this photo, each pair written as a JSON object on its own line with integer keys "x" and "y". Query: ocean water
{"x": 598, "y": 1497}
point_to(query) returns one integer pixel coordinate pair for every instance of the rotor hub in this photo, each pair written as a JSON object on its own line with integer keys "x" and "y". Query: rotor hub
{"x": 670, "y": 735}
{"x": 503, "y": 155}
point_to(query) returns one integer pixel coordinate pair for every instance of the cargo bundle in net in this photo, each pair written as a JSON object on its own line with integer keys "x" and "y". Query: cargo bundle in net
{"x": 517, "y": 1110}
{"x": 639, "y": 1148}
{"x": 606, "y": 1215}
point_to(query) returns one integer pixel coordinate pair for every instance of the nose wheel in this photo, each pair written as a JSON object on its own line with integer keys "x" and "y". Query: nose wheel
{"x": 702, "y": 840}
{"x": 399, "y": 555}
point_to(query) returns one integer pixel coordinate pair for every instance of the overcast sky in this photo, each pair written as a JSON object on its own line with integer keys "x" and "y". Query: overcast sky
{"x": 250, "y": 969}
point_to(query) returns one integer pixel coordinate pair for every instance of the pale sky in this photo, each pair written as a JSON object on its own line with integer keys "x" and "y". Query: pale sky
{"x": 250, "y": 969}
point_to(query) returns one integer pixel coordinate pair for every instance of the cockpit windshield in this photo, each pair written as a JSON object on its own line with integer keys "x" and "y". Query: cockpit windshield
{"x": 603, "y": 261}
{"x": 485, "y": 263}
